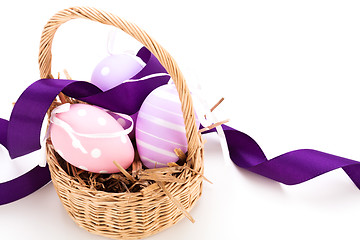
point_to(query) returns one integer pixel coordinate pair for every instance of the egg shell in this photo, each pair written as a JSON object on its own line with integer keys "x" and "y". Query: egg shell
{"x": 96, "y": 154}
{"x": 160, "y": 127}
{"x": 115, "y": 69}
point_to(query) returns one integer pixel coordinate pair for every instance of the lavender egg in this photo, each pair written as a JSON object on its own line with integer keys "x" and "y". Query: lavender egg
{"x": 115, "y": 69}
{"x": 160, "y": 127}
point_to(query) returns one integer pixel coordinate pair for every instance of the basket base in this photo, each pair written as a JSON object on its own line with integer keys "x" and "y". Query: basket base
{"x": 124, "y": 215}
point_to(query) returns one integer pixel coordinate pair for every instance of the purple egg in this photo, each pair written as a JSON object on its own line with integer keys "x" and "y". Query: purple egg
{"x": 160, "y": 127}
{"x": 115, "y": 69}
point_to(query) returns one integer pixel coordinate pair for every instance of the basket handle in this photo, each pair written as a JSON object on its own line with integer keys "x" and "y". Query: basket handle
{"x": 192, "y": 135}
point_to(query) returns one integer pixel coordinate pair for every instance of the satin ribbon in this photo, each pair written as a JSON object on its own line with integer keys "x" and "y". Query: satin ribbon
{"x": 290, "y": 168}
{"x": 21, "y": 134}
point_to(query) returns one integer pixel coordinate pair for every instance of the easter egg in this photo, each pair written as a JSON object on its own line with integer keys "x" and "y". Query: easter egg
{"x": 115, "y": 69}
{"x": 90, "y": 138}
{"x": 160, "y": 127}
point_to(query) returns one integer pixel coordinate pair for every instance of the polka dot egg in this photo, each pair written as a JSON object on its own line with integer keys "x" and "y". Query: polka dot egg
{"x": 89, "y": 138}
{"x": 115, "y": 69}
{"x": 160, "y": 127}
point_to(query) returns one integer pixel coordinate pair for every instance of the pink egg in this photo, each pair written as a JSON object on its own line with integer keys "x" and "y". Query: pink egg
{"x": 115, "y": 69}
{"x": 89, "y": 138}
{"x": 160, "y": 127}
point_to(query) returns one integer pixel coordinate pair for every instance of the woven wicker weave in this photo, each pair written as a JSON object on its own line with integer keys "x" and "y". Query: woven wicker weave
{"x": 127, "y": 215}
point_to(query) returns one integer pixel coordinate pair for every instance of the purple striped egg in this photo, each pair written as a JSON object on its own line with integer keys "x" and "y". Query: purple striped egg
{"x": 160, "y": 127}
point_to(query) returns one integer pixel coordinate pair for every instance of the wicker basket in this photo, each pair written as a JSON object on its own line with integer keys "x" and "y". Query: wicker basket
{"x": 138, "y": 214}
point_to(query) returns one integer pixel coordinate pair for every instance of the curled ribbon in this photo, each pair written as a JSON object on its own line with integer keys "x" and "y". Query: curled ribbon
{"x": 290, "y": 168}
{"x": 20, "y": 135}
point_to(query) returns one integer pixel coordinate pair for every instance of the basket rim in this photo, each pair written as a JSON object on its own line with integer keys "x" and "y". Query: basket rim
{"x": 54, "y": 162}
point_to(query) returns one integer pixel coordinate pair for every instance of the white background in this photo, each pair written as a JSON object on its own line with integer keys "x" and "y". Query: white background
{"x": 289, "y": 72}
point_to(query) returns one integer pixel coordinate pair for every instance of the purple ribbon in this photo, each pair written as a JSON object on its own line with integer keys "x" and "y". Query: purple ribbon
{"x": 290, "y": 168}
{"x": 20, "y": 135}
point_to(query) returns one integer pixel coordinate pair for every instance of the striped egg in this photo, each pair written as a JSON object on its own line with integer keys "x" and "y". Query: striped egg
{"x": 160, "y": 127}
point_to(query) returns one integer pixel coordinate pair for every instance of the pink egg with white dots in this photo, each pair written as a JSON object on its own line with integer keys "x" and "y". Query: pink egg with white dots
{"x": 90, "y": 138}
